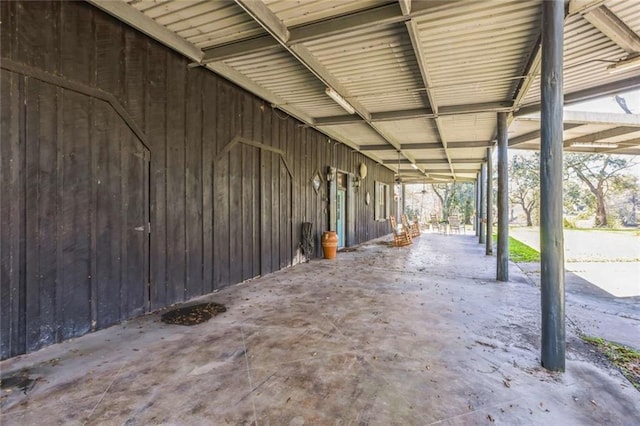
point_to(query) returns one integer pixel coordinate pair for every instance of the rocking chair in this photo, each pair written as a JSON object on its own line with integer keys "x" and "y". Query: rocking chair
{"x": 454, "y": 223}
{"x": 400, "y": 238}
{"x": 413, "y": 227}
{"x": 435, "y": 225}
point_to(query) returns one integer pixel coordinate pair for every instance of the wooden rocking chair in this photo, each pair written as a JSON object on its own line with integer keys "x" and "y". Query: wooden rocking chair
{"x": 435, "y": 225}
{"x": 413, "y": 227}
{"x": 454, "y": 223}
{"x": 400, "y": 238}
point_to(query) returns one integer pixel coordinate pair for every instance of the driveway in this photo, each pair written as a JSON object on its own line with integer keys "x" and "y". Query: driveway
{"x": 607, "y": 259}
{"x": 602, "y": 282}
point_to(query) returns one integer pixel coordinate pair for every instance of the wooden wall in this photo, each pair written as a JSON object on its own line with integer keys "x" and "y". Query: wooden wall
{"x": 105, "y": 132}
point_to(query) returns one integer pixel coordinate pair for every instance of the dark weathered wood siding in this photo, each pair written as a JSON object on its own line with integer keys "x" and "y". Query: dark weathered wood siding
{"x": 102, "y": 130}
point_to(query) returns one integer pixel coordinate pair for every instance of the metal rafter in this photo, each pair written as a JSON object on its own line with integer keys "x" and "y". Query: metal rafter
{"x": 536, "y": 135}
{"x": 605, "y": 134}
{"x": 436, "y": 161}
{"x": 418, "y": 51}
{"x": 588, "y": 94}
{"x": 370, "y": 18}
{"x": 248, "y": 84}
{"x": 410, "y": 114}
{"x": 276, "y": 28}
{"x": 590, "y": 117}
{"x": 610, "y": 25}
{"x": 430, "y": 145}
{"x": 143, "y": 23}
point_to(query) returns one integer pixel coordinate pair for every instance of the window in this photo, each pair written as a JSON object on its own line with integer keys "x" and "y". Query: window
{"x": 382, "y": 203}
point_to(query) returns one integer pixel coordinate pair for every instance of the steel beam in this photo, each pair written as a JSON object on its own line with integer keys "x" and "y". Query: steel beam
{"x": 377, "y": 147}
{"x": 261, "y": 13}
{"x": 454, "y": 161}
{"x": 589, "y": 117}
{"x": 436, "y": 161}
{"x": 551, "y": 237}
{"x": 605, "y": 134}
{"x": 370, "y": 18}
{"x": 226, "y": 51}
{"x": 248, "y": 84}
{"x": 411, "y": 114}
{"x": 527, "y": 137}
{"x": 476, "y": 203}
{"x": 138, "y": 20}
{"x": 588, "y": 94}
{"x": 489, "y": 196}
{"x": 482, "y": 207}
{"x": 610, "y": 25}
{"x": 502, "y": 259}
{"x": 414, "y": 36}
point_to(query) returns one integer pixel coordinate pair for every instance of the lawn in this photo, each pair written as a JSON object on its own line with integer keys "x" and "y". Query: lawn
{"x": 520, "y": 252}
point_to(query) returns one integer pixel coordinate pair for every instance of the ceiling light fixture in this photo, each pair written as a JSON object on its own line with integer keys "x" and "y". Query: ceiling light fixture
{"x": 340, "y": 100}
{"x": 414, "y": 166}
{"x": 625, "y": 64}
{"x": 594, "y": 145}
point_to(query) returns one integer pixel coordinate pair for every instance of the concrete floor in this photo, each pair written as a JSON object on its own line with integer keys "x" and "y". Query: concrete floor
{"x": 379, "y": 336}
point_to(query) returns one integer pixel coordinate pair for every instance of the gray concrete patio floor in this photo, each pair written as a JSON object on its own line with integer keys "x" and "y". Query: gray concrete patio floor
{"x": 380, "y": 336}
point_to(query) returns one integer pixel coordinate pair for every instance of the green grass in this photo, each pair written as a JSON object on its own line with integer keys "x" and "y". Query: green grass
{"x": 623, "y": 357}
{"x": 520, "y": 252}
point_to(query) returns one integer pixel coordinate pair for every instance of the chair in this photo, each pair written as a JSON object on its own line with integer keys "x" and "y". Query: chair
{"x": 413, "y": 227}
{"x": 454, "y": 223}
{"x": 435, "y": 224}
{"x": 400, "y": 237}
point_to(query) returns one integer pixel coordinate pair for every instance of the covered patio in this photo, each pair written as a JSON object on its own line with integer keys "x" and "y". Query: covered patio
{"x": 158, "y": 152}
{"x": 418, "y": 335}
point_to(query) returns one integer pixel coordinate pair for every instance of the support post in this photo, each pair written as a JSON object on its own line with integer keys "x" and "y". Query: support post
{"x": 476, "y": 203}
{"x": 489, "y": 239}
{"x": 502, "y": 260}
{"x": 483, "y": 203}
{"x": 551, "y": 237}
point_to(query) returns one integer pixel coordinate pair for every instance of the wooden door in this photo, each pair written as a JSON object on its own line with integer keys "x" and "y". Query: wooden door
{"x": 76, "y": 228}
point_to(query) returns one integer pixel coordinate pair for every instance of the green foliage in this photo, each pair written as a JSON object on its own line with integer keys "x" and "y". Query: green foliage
{"x": 521, "y": 253}
{"x": 568, "y": 224}
{"x": 455, "y": 198}
{"x": 600, "y": 174}
{"x": 524, "y": 184}
{"x": 596, "y": 186}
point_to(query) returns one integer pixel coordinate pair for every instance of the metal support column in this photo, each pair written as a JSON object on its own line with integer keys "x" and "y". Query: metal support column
{"x": 489, "y": 216}
{"x": 476, "y": 203}
{"x": 502, "y": 260}
{"x": 551, "y": 237}
{"x": 483, "y": 203}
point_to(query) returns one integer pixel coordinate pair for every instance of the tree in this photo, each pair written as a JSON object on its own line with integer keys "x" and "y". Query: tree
{"x": 600, "y": 173}
{"x": 524, "y": 183}
{"x": 455, "y": 197}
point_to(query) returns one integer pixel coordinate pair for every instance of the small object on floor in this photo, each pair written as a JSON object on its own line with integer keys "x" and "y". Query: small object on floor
{"x": 19, "y": 380}
{"x": 192, "y": 315}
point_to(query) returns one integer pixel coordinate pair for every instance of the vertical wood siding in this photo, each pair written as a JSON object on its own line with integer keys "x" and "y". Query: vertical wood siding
{"x": 77, "y": 183}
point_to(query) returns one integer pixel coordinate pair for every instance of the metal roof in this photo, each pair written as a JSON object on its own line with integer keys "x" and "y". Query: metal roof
{"x": 425, "y": 78}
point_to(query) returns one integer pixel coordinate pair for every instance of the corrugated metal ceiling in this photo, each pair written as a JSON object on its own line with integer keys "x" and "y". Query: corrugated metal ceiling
{"x": 427, "y": 81}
